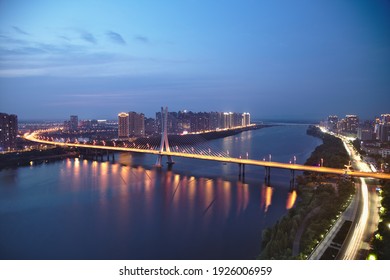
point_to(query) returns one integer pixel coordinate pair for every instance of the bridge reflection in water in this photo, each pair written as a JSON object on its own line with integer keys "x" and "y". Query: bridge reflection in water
{"x": 180, "y": 191}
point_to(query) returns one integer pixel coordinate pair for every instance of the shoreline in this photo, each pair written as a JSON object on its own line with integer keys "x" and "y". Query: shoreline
{"x": 19, "y": 159}
{"x": 311, "y": 217}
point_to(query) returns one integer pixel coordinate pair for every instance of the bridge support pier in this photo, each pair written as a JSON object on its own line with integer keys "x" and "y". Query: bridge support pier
{"x": 267, "y": 177}
{"x": 164, "y": 146}
{"x": 170, "y": 162}
{"x": 158, "y": 161}
{"x": 241, "y": 171}
{"x": 112, "y": 156}
{"x": 292, "y": 179}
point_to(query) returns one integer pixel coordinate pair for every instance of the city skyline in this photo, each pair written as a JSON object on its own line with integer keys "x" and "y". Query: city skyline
{"x": 300, "y": 60}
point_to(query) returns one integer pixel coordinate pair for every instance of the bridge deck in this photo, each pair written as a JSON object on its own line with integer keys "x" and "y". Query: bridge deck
{"x": 376, "y": 175}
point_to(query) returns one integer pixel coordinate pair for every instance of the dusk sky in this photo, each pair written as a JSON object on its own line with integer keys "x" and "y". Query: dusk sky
{"x": 301, "y": 59}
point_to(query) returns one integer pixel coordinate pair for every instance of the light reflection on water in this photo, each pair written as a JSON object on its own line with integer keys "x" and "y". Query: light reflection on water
{"x": 80, "y": 209}
{"x": 266, "y": 197}
{"x": 181, "y": 194}
{"x": 292, "y": 196}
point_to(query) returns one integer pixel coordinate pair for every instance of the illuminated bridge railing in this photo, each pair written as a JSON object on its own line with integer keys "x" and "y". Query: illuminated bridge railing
{"x": 202, "y": 154}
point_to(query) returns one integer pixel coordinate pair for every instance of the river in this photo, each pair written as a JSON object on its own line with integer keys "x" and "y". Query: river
{"x": 127, "y": 209}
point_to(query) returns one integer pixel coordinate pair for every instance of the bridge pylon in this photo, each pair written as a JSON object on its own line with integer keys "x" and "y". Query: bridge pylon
{"x": 164, "y": 146}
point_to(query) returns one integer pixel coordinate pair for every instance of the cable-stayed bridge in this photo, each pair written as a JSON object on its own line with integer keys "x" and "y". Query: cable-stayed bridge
{"x": 195, "y": 150}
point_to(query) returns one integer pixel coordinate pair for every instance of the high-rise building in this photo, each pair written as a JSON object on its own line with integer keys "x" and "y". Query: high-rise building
{"x": 385, "y": 118}
{"x": 352, "y": 123}
{"x": 383, "y": 128}
{"x": 136, "y": 124}
{"x": 74, "y": 123}
{"x": 187, "y": 121}
{"x": 214, "y": 120}
{"x": 365, "y": 133}
{"x": 384, "y": 132}
{"x": 227, "y": 120}
{"x": 237, "y": 120}
{"x": 123, "y": 125}
{"x": 172, "y": 122}
{"x": 246, "y": 119}
{"x": 8, "y": 131}
{"x": 150, "y": 126}
{"x": 184, "y": 121}
{"x": 332, "y": 123}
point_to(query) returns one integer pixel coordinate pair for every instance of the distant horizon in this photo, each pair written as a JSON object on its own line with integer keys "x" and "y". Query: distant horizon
{"x": 253, "y": 119}
{"x": 153, "y": 115}
{"x": 280, "y": 120}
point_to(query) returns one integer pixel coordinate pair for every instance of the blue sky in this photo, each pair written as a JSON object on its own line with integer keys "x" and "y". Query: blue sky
{"x": 299, "y": 59}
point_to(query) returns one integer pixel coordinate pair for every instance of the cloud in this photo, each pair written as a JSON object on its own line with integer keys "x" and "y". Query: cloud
{"x": 142, "y": 39}
{"x": 10, "y": 46}
{"x": 65, "y": 38}
{"x": 6, "y": 40}
{"x": 116, "y": 38}
{"x": 63, "y": 58}
{"x": 21, "y": 51}
{"x": 20, "y": 31}
{"x": 88, "y": 37}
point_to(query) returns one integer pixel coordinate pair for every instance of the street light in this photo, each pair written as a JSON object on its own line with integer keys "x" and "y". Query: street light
{"x": 270, "y": 157}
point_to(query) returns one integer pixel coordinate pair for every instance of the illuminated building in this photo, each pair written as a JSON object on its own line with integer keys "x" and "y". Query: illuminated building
{"x": 385, "y": 118}
{"x": 214, "y": 120}
{"x": 74, "y": 123}
{"x": 193, "y": 122}
{"x": 227, "y": 120}
{"x": 365, "y": 133}
{"x": 352, "y": 123}
{"x": 382, "y": 128}
{"x": 136, "y": 124}
{"x": 150, "y": 126}
{"x": 8, "y": 131}
{"x": 341, "y": 125}
{"x": 383, "y": 133}
{"x": 246, "y": 119}
{"x": 237, "y": 119}
{"x": 384, "y": 152}
{"x": 332, "y": 123}
{"x": 123, "y": 125}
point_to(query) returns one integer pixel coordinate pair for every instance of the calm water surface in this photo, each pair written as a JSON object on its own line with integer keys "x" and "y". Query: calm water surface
{"x": 83, "y": 209}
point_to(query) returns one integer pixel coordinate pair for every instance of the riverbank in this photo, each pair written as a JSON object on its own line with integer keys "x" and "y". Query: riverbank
{"x": 229, "y": 132}
{"x": 197, "y": 138}
{"x": 321, "y": 199}
{"x": 25, "y": 158}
